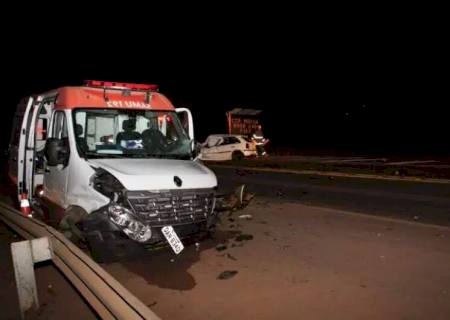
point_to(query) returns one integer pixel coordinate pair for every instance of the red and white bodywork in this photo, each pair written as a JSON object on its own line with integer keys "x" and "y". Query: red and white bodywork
{"x": 111, "y": 143}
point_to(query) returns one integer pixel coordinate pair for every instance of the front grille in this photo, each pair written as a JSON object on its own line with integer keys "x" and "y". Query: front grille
{"x": 172, "y": 207}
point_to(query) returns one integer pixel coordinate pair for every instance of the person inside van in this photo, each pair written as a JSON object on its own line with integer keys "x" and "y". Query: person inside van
{"x": 153, "y": 140}
{"x": 129, "y": 133}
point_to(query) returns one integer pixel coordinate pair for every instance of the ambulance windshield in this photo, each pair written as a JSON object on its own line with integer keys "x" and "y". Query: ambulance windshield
{"x": 124, "y": 133}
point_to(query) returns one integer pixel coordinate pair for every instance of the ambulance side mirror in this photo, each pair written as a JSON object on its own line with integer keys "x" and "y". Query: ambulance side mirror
{"x": 196, "y": 149}
{"x": 57, "y": 151}
{"x": 186, "y": 120}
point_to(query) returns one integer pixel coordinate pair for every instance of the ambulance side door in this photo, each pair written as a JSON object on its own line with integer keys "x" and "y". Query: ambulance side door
{"x": 55, "y": 177}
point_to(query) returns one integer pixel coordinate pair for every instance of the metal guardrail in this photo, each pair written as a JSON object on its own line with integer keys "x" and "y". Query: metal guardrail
{"x": 104, "y": 293}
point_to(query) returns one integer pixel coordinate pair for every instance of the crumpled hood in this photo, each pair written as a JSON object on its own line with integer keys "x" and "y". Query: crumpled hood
{"x": 157, "y": 174}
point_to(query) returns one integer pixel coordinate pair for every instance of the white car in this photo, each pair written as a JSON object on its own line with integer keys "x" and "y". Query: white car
{"x": 220, "y": 147}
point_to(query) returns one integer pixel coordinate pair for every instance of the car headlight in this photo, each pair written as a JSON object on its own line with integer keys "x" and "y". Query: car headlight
{"x": 134, "y": 229}
{"x": 138, "y": 231}
{"x": 119, "y": 215}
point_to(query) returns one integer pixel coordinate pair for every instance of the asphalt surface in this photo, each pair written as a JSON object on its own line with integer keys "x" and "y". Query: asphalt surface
{"x": 414, "y": 201}
{"x": 299, "y": 262}
{"x": 314, "y": 247}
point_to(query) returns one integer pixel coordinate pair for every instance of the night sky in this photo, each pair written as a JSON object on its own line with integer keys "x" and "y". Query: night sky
{"x": 370, "y": 85}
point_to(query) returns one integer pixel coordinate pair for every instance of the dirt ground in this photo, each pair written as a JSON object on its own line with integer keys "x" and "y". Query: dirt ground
{"x": 289, "y": 261}
{"x": 302, "y": 262}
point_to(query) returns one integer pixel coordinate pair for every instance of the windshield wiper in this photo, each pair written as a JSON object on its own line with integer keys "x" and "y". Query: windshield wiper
{"x": 102, "y": 155}
{"x": 171, "y": 156}
{"x": 137, "y": 155}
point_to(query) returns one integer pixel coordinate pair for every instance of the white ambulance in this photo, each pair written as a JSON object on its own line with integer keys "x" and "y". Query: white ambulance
{"x": 112, "y": 165}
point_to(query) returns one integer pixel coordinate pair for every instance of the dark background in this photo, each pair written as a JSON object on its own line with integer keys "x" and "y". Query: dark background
{"x": 360, "y": 80}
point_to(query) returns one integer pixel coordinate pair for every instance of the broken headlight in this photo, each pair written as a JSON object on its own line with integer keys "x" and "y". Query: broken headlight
{"x": 138, "y": 231}
{"x": 119, "y": 215}
{"x": 133, "y": 228}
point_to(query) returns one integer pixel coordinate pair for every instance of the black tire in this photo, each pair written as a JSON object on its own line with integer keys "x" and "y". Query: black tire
{"x": 237, "y": 156}
{"x": 108, "y": 247}
{"x": 105, "y": 241}
{"x": 69, "y": 224}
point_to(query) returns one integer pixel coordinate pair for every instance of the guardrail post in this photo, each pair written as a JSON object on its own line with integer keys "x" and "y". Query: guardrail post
{"x": 24, "y": 255}
{"x": 106, "y": 295}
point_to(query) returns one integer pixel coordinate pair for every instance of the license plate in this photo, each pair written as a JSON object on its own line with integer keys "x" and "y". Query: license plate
{"x": 172, "y": 239}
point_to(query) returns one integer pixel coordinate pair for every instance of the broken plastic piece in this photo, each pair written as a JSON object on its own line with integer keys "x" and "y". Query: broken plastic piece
{"x": 243, "y": 237}
{"x": 233, "y": 201}
{"x": 227, "y": 274}
{"x": 221, "y": 247}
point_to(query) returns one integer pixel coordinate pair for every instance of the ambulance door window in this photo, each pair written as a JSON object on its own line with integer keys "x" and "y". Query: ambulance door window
{"x": 59, "y": 126}
{"x": 41, "y": 126}
{"x": 41, "y": 137}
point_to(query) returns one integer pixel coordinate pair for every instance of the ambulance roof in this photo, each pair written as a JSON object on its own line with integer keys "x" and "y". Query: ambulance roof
{"x": 114, "y": 98}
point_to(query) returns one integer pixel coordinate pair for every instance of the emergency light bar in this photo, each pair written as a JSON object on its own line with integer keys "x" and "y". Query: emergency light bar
{"x": 120, "y": 85}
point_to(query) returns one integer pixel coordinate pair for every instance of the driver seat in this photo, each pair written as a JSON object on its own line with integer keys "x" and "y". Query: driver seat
{"x": 128, "y": 133}
{"x": 153, "y": 139}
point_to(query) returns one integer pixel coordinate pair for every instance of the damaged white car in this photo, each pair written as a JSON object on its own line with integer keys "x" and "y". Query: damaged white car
{"x": 221, "y": 147}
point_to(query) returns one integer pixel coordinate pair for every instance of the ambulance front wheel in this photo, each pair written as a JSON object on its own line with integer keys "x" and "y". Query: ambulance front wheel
{"x": 70, "y": 222}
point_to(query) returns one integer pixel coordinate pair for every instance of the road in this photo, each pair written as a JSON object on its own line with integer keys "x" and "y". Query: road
{"x": 442, "y": 163}
{"x": 302, "y": 262}
{"x": 314, "y": 248}
{"x": 414, "y": 201}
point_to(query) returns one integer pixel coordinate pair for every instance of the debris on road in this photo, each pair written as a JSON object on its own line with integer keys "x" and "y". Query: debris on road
{"x": 227, "y": 274}
{"x": 243, "y": 237}
{"x": 50, "y": 289}
{"x": 247, "y": 198}
{"x": 221, "y": 247}
{"x": 246, "y": 216}
{"x": 229, "y": 256}
{"x": 239, "y": 199}
{"x": 416, "y": 217}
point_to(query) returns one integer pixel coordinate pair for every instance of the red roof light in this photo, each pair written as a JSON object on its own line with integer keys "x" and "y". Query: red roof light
{"x": 120, "y": 85}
